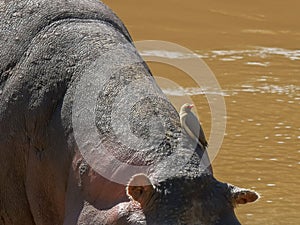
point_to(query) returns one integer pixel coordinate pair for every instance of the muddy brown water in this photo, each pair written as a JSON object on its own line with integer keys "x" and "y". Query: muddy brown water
{"x": 253, "y": 48}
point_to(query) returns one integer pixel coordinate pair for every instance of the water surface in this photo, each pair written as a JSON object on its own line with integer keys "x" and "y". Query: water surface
{"x": 253, "y": 48}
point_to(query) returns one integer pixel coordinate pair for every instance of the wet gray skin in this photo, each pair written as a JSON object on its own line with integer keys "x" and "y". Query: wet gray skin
{"x": 47, "y": 48}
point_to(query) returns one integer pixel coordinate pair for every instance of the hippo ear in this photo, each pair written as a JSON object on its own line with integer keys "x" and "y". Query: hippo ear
{"x": 242, "y": 196}
{"x": 140, "y": 188}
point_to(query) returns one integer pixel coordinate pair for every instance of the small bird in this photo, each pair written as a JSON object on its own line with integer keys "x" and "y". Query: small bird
{"x": 191, "y": 125}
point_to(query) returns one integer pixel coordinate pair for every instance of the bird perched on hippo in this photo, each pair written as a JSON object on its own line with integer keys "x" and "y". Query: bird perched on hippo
{"x": 47, "y": 49}
{"x": 191, "y": 125}
{"x": 193, "y": 128}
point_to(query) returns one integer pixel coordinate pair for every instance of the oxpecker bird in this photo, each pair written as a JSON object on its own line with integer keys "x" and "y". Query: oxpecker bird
{"x": 191, "y": 125}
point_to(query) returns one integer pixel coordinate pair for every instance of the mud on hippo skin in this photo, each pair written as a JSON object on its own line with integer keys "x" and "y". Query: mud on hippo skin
{"x": 46, "y": 47}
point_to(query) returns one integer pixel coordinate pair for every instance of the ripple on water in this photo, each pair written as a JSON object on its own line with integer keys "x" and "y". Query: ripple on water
{"x": 270, "y": 89}
{"x": 255, "y": 52}
{"x": 227, "y": 59}
{"x": 261, "y": 79}
{"x": 192, "y": 91}
{"x": 229, "y": 55}
{"x": 263, "y": 64}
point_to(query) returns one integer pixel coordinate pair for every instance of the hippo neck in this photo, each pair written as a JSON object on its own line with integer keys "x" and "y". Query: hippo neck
{"x": 184, "y": 162}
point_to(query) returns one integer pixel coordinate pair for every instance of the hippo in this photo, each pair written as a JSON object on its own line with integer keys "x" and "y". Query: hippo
{"x": 87, "y": 136}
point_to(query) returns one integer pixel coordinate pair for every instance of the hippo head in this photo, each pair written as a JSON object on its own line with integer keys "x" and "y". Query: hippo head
{"x": 182, "y": 200}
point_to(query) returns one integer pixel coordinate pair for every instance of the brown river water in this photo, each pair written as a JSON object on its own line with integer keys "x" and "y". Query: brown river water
{"x": 253, "y": 48}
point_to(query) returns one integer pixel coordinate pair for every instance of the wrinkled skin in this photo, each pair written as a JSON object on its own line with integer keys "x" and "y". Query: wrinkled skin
{"x": 46, "y": 47}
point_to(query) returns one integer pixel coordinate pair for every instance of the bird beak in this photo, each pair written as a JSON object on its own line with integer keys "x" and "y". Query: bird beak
{"x": 190, "y": 106}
